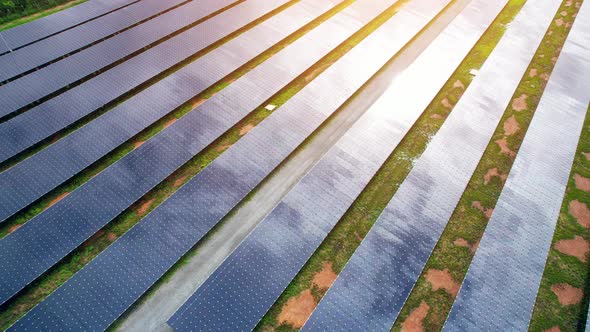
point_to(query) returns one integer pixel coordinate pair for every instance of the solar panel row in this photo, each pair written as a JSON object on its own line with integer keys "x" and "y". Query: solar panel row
{"x": 18, "y": 93}
{"x": 43, "y": 51}
{"x": 501, "y": 286}
{"x": 242, "y": 289}
{"x": 37, "y": 175}
{"x": 46, "y": 26}
{"x": 139, "y": 258}
{"x": 376, "y": 281}
{"x": 126, "y": 181}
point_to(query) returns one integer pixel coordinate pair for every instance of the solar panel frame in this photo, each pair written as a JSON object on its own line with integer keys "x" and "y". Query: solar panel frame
{"x": 500, "y": 288}
{"x": 37, "y": 175}
{"x": 221, "y": 185}
{"x": 18, "y": 94}
{"x": 32, "y": 56}
{"x": 129, "y": 179}
{"x": 372, "y": 288}
{"x": 248, "y": 282}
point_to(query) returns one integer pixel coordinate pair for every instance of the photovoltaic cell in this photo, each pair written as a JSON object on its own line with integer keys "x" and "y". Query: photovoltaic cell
{"x": 34, "y": 55}
{"x": 242, "y": 289}
{"x": 19, "y": 93}
{"x": 370, "y": 291}
{"x": 117, "y": 277}
{"x": 37, "y": 175}
{"x": 41, "y": 28}
{"x": 129, "y": 179}
{"x": 501, "y": 286}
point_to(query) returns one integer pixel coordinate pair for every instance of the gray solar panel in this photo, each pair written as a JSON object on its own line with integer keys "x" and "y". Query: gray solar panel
{"x": 126, "y": 181}
{"x": 247, "y": 283}
{"x": 18, "y": 93}
{"x": 62, "y": 160}
{"x": 116, "y": 278}
{"x": 43, "y": 51}
{"x": 370, "y": 291}
{"x": 501, "y": 286}
{"x": 46, "y": 26}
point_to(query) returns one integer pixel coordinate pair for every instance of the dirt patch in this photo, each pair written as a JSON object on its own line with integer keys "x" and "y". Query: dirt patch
{"x": 577, "y": 247}
{"x": 580, "y": 212}
{"x": 14, "y": 228}
{"x": 324, "y": 278}
{"x": 143, "y": 209}
{"x": 223, "y": 147}
{"x": 503, "y": 144}
{"x": 563, "y": 13}
{"x": 587, "y": 155}
{"x": 511, "y": 126}
{"x": 559, "y": 22}
{"x": 179, "y": 181}
{"x": 437, "y": 116}
{"x": 93, "y": 238}
{"x": 112, "y": 236}
{"x": 553, "y": 329}
{"x": 567, "y": 294}
{"x": 57, "y": 199}
{"x": 520, "y": 104}
{"x": 442, "y": 279}
{"x": 461, "y": 242}
{"x": 446, "y": 103}
{"x": 459, "y": 84}
{"x": 246, "y": 129}
{"x": 491, "y": 173}
{"x": 533, "y": 72}
{"x": 296, "y": 311}
{"x": 487, "y": 211}
{"x": 169, "y": 123}
{"x": 138, "y": 144}
{"x": 545, "y": 76}
{"x": 358, "y": 237}
{"x": 198, "y": 103}
{"x": 582, "y": 183}
{"x": 414, "y": 321}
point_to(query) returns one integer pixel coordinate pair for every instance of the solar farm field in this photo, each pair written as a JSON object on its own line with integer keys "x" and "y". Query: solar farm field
{"x": 316, "y": 165}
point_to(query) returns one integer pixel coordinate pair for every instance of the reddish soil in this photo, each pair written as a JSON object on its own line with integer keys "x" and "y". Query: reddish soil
{"x": 223, "y": 147}
{"x": 14, "y": 228}
{"x": 446, "y": 103}
{"x": 553, "y": 329}
{"x": 567, "y": 294}
{"x": 169, "y": 123}
{"x": 563, "y": 13}
{"x": 246, "y": 129}
{"x": 577, "y": 247}
{"x": 93, "y": 238}
{"x": 198, "y": 103}
{"x": 533, "y": 72}
{"x": 559, "y": 22}
{"x": 414, "y": 321}
{"x": 461, "y": 242}
{"x": 580, "y": 212}
{"x": 296, "y": 311}
{"x": 324, "y": 278}
{"x": 582, "y": 183}
{"x": 503, "y": 144}
{"x": 360, "y": 238}
{"x": 112, "y": 237}
{"x": 459, "y": 84}
{"x": 143, "y": 209}
{"x": 587, "y": 155}
{"x": 442, "y": 280}
{"x": 511, "y": 126}
{"x": 179, "y": 181}
{"x": 138, "y": 144}
{"x": 519, "y": 104}
{"x": 545, "y": 76}
{"x": 487, "y": 211}
{"x": 491, "y": 173}
{"x": 437, "y": 116}
{"x": 57, "y": 199}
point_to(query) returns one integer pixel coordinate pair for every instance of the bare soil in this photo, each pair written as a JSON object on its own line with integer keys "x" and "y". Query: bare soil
{"x": 324, "y": 278}
{"x": 491, "y": 173}
{"x": 442, "y": 279}
{"x": 577, "y": 247}
{"x": 582, "y": 183}
{"x": 580, "y": 212}
{"x": 520, "y": 104}
{"x": 414, "y": 321}
{"x": 246, "y": 129}
{"x": 511, "y": 126}
{"x": 567, "y": 294}
{"x": 487, "y": 211}
{"x": 459, "y": 84}
{"x": 504, "y": 148}
{"x": 143, "y": 209}
{"x": 296, "y": 311}
{"x": 57, "y": 199}
{"x": 446, "y": 103}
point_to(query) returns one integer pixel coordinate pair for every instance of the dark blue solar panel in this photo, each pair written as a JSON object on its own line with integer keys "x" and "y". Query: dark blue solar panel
{"x": 500, "y": 289}
{"x": 373, "y": 286}
{"x": 137, "y": 259}
{"x": 37, "y": 175}
{"x": 18, "y": 93}
{"x": 127, "y": 180}
{"x": 242, "y": 289}
{"x": 41, "y": 28}
{"x": 34, "y": 55}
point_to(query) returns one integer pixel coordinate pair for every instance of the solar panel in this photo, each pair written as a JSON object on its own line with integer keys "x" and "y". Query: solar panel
{"x": 247, "y": 283}
{"x": 137, "y": 259}
{"x": 34, "y": 55}
{"x": 18, "y": 93}
{"x": 376, "y": 281}
{"x": 55, "y": 23}
{"x": 116, "y": 188}
{"x": 62, "y": 160}
{"x": 501, "y": 286}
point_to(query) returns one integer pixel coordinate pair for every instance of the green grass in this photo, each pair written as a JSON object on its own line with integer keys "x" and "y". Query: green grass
{"x": 30, "y": 14}
{"x": 467, "y": 222}
{"x": 561, "y": 268}
{"x": 347, "y": 234}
